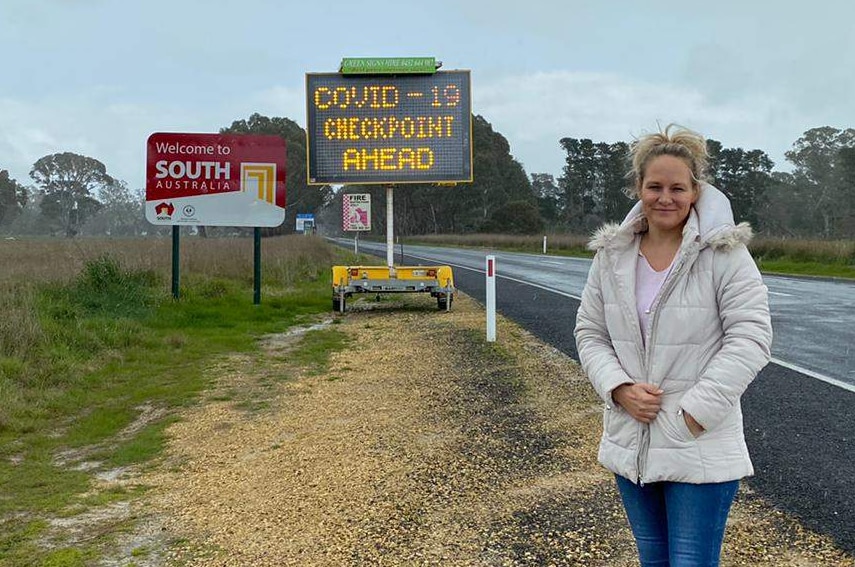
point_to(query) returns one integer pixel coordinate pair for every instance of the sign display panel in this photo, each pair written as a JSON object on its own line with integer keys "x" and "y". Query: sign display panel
{"x": 215, "y": 180}
{"x": 389, "y": 128}
{"x": 356, "y": 211}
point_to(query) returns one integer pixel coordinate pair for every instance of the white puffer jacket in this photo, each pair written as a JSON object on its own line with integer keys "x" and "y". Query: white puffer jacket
{"x": 710, "y": 335}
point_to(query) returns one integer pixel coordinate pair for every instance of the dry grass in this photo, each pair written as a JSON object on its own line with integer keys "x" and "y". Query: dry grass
{"x": 28, "y": 265}
{"x": 62, "y": 260}
{"x": 20, "y": 330}
{"x": 288, "y": 260}
{"x": 825, "y": 251}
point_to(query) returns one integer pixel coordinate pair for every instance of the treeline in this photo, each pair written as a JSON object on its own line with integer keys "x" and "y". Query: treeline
{"x": 815, "y": 199}
{"x": 73, "y": 194}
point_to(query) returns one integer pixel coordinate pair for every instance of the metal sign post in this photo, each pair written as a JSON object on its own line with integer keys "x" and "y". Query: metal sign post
{"x": 256, "y": 261}
{"x": 176, "y": 261}
{"x": 390, "y": 228}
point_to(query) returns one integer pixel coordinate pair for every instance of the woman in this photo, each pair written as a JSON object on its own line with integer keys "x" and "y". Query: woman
{"x": 673, "y": 326}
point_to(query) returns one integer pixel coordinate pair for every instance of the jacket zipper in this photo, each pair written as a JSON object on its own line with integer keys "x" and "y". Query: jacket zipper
{"x": 664, "y": 291}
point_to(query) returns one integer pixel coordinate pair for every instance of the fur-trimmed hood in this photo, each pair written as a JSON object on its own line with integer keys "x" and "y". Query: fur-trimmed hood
{"x": 710, "y": 223}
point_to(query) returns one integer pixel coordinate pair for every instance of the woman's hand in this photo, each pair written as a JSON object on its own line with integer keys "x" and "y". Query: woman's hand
{"x": 694, "y": 427}
{"x": 642, "y": 401}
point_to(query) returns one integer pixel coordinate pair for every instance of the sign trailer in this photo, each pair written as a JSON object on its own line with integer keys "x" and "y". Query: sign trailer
{"x": 388, "y": 121}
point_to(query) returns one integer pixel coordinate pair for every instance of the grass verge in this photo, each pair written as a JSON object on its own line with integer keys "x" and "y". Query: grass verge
{"x": 92, "y": 368}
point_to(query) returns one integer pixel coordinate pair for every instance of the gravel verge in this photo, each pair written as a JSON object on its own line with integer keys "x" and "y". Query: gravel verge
{"x": 420, "y": 444}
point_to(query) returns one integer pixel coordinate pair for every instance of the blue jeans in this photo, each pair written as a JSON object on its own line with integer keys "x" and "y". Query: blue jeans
{"x": 676, "y": 524}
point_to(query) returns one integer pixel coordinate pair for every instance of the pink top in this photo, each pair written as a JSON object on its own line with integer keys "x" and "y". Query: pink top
{"x": 647, "y": 284}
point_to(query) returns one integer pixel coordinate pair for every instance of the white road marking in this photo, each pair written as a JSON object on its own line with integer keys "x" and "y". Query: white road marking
{"x": 817, "y": 375}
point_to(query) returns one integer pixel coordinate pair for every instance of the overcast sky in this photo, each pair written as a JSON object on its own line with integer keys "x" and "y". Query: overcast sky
{"x": 96, "y": 77}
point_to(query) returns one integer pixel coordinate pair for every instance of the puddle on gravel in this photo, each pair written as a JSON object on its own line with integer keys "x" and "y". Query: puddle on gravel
{"x": 280, "y": 340}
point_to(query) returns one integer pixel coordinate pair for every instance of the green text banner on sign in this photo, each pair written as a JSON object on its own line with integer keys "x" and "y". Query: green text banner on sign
{"x": 371, "y": 65}
{"x": 389, "y": 129}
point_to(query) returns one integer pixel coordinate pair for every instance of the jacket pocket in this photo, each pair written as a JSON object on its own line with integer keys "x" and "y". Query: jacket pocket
{"x": 618, "y": 426}
{"x": 669, "y": 429}
{"x": 683, "y": 427}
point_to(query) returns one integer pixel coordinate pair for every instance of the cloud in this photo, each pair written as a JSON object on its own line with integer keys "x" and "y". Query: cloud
{"x": 282, "y": 101}
{"x": 534, "y": 111}
{"x": 98, "y": 124}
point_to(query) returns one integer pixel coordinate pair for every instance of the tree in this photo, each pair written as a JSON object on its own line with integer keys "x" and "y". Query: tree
{"x": 68, "y": 182}
{"x": 302, "y": 198}
{"x": 745, "y": 177}
{"x": 613, "y": 165}
{"x": 576, "y": 182}
{"x": 548, "y": 196}
{"x": 13, "y": 198}
{"x": 714, "y": 149}
{"x": 500, "y": 177}
{"x": 122, "y": 214}
{"x": 817, "y": 159}
{"x": 845, "y": 171}
{"x": 783, "y": 214}
{"x": 593, "y": 183}
{"x": 516, "y": 217}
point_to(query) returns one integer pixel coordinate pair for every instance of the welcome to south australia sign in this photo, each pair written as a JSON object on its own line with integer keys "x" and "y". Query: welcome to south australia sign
{"x": 215, "y": 179}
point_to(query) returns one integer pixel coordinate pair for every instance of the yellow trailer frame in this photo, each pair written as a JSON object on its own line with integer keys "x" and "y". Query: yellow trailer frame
{"x": 436, "y": 280}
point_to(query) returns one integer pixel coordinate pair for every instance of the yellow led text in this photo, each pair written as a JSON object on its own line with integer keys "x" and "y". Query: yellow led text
{"x": 420, "y": 127}
{"x": 369, "y": 96}
{"x": 387, "y": 159}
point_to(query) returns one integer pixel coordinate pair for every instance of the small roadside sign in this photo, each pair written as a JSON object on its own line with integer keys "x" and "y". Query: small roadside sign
{"x": 305, "y": 222}
{"x": 356, "y": 212}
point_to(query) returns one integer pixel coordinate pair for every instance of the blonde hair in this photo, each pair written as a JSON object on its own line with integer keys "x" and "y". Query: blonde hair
{"x": 674, "y": 140}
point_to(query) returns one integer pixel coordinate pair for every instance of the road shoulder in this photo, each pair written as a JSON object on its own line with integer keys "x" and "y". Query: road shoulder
{"x": 418, "y": 444}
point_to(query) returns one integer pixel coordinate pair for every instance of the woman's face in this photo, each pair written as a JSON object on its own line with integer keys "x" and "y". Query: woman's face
{"x": 667, "y": 193}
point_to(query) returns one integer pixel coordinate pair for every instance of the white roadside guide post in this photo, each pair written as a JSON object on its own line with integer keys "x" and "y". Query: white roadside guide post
{"x": 491, "y": 299}
{"x": 544, "y": 245}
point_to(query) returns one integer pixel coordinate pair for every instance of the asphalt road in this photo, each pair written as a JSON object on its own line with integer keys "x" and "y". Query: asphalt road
{"x": 799, "y": 429}
{"x": 813, "y": 319}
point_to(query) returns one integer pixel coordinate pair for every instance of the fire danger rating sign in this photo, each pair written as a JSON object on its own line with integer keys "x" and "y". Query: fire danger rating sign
{"x": 356, "y": 211}
{"x": 215, "y": 179}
